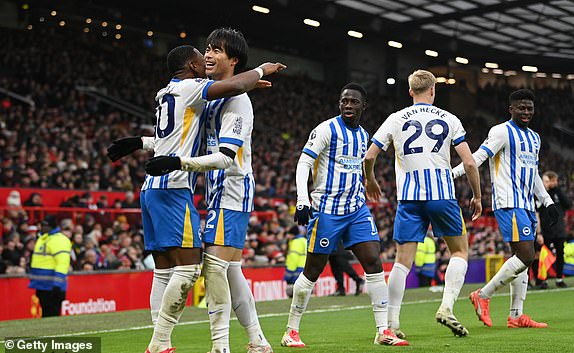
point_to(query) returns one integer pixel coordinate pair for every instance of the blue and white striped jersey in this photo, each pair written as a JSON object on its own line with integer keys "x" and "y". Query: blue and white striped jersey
{"x": 179, "y": 110}
{"x": 513, "y": 162}
{"x": 422, "y": 135}
{"x": 339, "y": 152}
{"x": 229, "y": 123}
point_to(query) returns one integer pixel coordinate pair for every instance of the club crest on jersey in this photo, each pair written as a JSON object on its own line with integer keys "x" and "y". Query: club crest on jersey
{"x": 324, "y": 242}
{"x": 526, "y": 231}
{"x": 363, "y": 149}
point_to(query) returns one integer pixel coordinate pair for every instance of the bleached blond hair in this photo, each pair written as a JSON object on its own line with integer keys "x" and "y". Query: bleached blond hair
{"x": 421, "y": 80}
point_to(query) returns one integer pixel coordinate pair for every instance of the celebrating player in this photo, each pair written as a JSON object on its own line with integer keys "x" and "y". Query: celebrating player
{"x": 171, "y": 222}
{"x": 230, "y": 193}
{"x": 512, "y": 150}
{"x": 336, "y": 148}
{"x": 422, "y": 135}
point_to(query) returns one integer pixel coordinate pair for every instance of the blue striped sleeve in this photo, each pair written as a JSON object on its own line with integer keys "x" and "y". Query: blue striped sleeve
{"x": 381, "y": 146}
{"x": 490, "y": 154}
{"x": 458, "y": 140}
{"x": 310, "y": 153}
{"x": 231, "y": 141}
{"x": 204, "y": 92}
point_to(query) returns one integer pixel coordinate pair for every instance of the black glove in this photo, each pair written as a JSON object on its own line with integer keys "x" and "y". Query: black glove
{"x": 553, "y": 214}
{"x": 123, "y": 147}
{"x": 302, "y": 215}
{"x": 162, "y": 165}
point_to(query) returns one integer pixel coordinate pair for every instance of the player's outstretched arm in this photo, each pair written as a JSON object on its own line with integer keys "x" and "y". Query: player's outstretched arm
{"x": 473, "y": 177}
{"x": 479, "y": 157}
{"x": 161, "y": 165}
{"x": 244, "y": 82}
{"x": 303, "y": 212}
{"x": 372, "y": 189}
{"x": 124, "y": 146}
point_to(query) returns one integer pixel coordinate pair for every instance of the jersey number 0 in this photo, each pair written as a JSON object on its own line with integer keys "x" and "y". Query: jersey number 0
{"x": 165, "y": 111}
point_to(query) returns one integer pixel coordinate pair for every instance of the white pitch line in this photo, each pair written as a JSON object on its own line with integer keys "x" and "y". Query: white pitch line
{"x": 316, "y": 311}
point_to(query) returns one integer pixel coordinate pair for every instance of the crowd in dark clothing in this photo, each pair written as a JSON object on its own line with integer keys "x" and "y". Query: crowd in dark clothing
{"x": 60, "y": 142}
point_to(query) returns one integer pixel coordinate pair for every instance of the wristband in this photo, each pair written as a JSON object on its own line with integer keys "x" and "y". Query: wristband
{"x": 259, "y": 71}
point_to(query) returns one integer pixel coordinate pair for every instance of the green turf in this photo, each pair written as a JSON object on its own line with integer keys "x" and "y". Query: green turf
{"x": 337, "y": 324}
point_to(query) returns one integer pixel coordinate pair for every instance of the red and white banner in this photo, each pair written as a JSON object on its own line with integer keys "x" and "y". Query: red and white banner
{"x": 87, "y": 293}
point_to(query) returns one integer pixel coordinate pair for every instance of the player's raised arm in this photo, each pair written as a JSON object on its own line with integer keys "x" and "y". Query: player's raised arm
{"x": 473, "y": 176}
{"x": 243, "y": 82}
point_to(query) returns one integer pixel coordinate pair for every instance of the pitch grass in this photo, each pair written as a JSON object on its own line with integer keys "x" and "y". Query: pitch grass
{"x": 337, "y": 324}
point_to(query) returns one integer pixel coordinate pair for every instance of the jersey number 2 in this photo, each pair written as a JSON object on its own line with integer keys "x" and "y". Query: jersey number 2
{"x": 210, "y": 218}
{"x": 165, "y": 110}
{"x": 407, "y": 149}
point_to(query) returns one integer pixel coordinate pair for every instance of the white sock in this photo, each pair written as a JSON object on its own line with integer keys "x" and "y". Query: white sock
{"x": 302, "y": 290}
{"x": 518, "y": 289}
{"x": 379, "y": 293}
{"x": 160, "y": 280}
{"x": 218, "y": 299}
{"x": 172, "y": 305}
{"x": 397, "y": 283}
{"x": 507, "y": 273}
{"x": 243, "y": 304}
{"x": 453, "y": 281}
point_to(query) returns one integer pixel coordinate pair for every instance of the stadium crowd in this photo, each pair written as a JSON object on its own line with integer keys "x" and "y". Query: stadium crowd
{"x": 60, "y": 143}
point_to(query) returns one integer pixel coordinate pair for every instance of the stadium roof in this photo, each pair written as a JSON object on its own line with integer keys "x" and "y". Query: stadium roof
{"x": 531, "y": 27}
{"x": 511, "y": 33}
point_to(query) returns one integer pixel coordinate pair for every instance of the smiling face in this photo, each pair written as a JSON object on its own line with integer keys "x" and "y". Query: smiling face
{"x": 522, "y": 112}
{"x": 218, "y": 65}
{"x": 351, "y": 105}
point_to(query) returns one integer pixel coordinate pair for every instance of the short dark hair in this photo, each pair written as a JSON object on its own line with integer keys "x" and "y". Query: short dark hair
{"x": 234, "y": 44}
{"x": 550, "y": 174}
{"x": 521, "y": 94}
{"x": 356, "y": 87}
{"x": 178, "y": 56}
{"x": 50, "y": 221}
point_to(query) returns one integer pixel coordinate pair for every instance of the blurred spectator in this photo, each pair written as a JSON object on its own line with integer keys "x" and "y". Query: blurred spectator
{"x": 34, "y": 200}
{"x": 130, "y": 201}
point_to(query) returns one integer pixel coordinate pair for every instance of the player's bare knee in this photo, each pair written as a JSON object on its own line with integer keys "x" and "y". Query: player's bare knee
{"x": 312, "y": 274}
{"x": 184, "y": 256}
{"x": 373, "y": 267}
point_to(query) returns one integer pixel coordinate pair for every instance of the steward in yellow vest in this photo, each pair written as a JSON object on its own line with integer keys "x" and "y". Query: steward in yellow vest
{"x": 49, "y": 267}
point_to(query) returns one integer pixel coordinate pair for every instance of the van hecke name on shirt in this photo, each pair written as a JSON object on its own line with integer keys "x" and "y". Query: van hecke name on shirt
{"x": 423, "y": 109}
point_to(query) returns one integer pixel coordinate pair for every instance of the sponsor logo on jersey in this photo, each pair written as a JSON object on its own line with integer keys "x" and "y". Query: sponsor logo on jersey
{"x": 237, "y": 126}
{"x": 211, "y": 140}
{"x": 351, "y": 163}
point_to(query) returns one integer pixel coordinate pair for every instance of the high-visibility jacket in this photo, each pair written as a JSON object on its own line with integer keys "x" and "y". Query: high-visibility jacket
{"x": 295, "y": 261}
{"x": 569, "y": 258}
{"x": 50, "y": 261}
{"x": 425, "y": 260}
